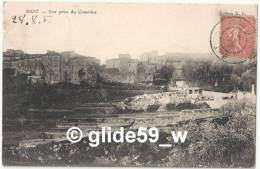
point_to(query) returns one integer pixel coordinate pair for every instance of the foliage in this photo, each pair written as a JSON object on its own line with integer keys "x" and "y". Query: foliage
{"x": 219, "y": 75}
{"x": 153, "y": 107}
{"x": 208, "y": 144}
{"x": 8, "y": 74}
{"x": 186, "y": 105}
{"x": 248, "y": 78}
{"x": 211, "y": 144}
{"x": 166, "y": 73}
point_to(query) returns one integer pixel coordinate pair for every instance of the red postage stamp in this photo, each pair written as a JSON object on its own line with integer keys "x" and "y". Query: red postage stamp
{"x": 237, "y": 36}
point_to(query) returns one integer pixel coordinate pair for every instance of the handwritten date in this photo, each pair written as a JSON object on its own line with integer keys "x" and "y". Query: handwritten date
{"x": 29, "y": 20}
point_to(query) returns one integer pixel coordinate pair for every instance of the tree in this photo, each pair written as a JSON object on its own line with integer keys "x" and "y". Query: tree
{"x": 89, "y": 75}
{"x": 196, "y": 70}
{"x": 140, "y": 68}
{"x": 81, "y": 74}
{"x": 166, "y": 73}
{"x": 248, "y": 79}
{"x": 188, "y": 70}
{"x": 8, "y": 74}
{"x": 67, "y": 78}
{"x": 235, "y": 80}
{"x": 103, "y": 94}
{"x": 238, "y": 69}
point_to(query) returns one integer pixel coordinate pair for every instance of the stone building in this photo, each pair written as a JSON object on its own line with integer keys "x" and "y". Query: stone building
{"x": 81, "y": 69}
{"x": 113, "y": 63}
{"x": 151, "y": 57}
{"x": 51, "y": 67}
{"x": 133, "y": 70}
{"x": 126, "y": 66}
{"x": 124, "y": 62}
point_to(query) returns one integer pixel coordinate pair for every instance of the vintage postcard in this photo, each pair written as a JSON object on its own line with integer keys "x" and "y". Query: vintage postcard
{"x": 129, "y": 85}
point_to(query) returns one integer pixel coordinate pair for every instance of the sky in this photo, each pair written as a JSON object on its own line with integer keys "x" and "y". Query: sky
{"x": 115, "y": 28}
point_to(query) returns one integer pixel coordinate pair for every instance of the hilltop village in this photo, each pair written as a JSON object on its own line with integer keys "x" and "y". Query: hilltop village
{"x": 151, "y": 83}
{"x": 54, "y": 67}
{"x": 150, "y": 69}
{"x": 46, "y": 94}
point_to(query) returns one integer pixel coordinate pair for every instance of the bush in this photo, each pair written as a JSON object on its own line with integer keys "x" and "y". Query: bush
{"x": 170, "y": 106}
{"x": 186, "y": 105}
{"x": 210, "y": 144}
{"x": 153, "y": 108}
{"x": 202, "y": 106}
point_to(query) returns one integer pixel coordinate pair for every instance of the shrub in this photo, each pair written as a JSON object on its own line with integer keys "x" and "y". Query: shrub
{"x": 210, "y": 144}
{"x": 170, "y": 106}
{"x": 186, "y": 105}
{"x": 153, "y": 107}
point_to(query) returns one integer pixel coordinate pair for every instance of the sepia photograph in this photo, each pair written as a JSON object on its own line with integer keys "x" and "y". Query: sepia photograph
{"x": 129, "y": 84}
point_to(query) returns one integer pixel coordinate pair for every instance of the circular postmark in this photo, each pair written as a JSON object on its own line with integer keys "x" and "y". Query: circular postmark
{"x": 232, "y": 39}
